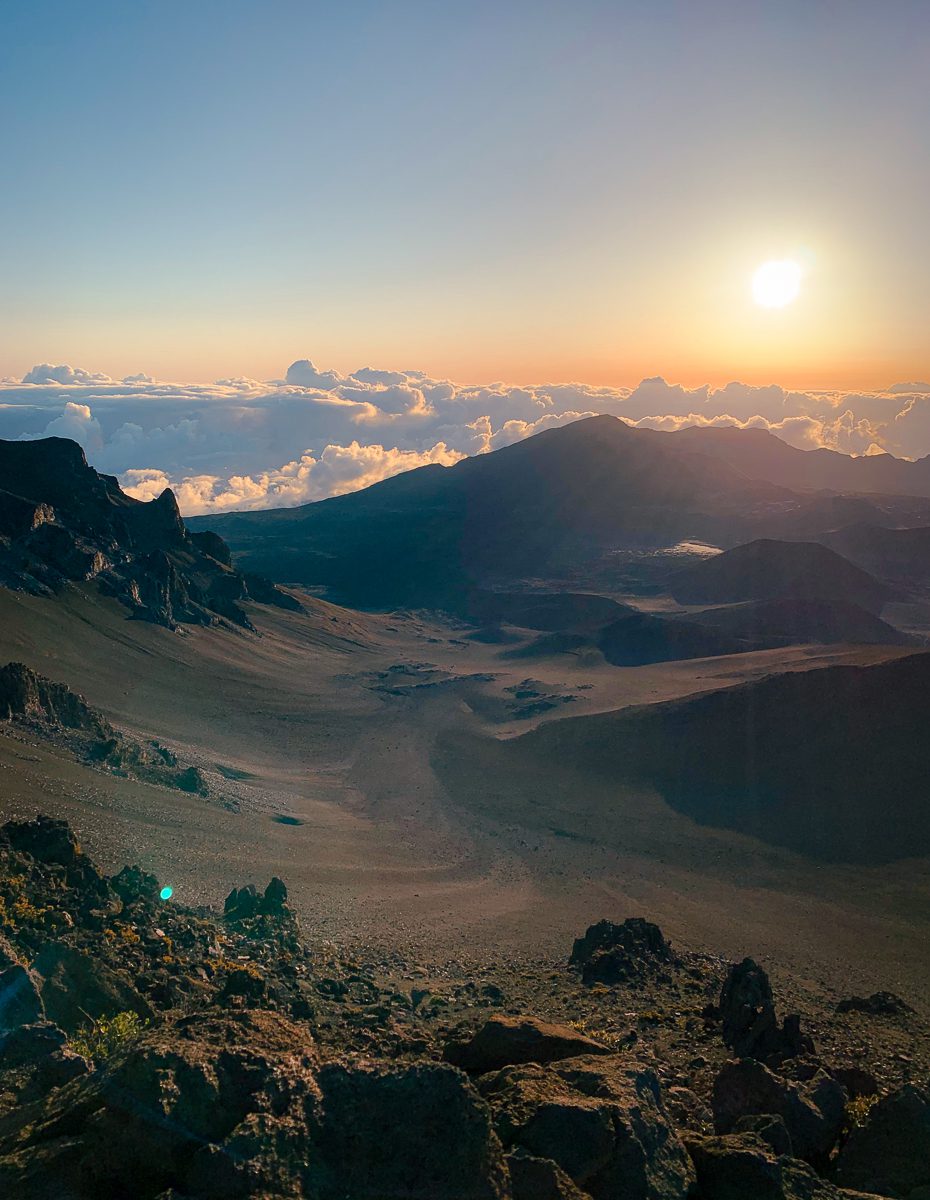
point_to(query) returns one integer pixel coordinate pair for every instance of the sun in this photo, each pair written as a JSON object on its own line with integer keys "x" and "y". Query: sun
{"x": 776, "y": 283}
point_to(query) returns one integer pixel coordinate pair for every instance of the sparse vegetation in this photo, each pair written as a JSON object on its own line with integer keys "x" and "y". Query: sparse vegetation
{"x": 107, "y": 1037}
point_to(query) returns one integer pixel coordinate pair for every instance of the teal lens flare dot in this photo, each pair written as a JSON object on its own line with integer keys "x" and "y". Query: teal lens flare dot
{"x": 166, "y": 893}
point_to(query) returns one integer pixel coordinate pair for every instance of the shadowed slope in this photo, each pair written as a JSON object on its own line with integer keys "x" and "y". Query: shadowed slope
{"x": 832, "y": 762}
{"x": 768, "y": 569}
{"x": 537, "y": 507}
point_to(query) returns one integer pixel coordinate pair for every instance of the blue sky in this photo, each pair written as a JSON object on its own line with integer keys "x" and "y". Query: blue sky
{"x": 520, "y": 191}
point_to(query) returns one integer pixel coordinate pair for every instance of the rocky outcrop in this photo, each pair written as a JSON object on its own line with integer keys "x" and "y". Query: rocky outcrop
{"x": 879, "y": 1004}
{"x": 603, "y": 1122}
{"x": 609, "y": 953}
{"x": 24, "y": 693}
{"x": 55, "y": 711}
{"x": 61, "y": 521}
{"x": 750, "y": 1024}
{"x": 533, "y": 1178}
{"x": 162, "y": 1051}
{"x": 243, "y": 903}
{"x": 75, "y": 987}
{"x": 20, "y": 1001}
{"x": 506, "y": 1041}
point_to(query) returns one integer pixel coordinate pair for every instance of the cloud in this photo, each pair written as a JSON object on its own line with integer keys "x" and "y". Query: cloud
{"x": 78, "y": 423}
{"x": 338, "y": 469}
{"x": 304, "y": 374}
{"x": 47, "y": 373}
{"x": 242, "y": 442}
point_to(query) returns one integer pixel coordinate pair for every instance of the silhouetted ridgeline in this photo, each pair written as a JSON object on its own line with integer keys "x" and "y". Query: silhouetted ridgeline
{"x": 555, "y": 504}
{"x": 61, "y": 520}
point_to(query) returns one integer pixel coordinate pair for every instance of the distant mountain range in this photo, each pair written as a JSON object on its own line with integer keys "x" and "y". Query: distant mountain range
{"x": 763, "y": 456}
{"x": 557, "y": 502}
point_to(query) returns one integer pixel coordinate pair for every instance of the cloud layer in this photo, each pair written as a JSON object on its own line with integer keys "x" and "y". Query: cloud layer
{"x": 246, "y": 443}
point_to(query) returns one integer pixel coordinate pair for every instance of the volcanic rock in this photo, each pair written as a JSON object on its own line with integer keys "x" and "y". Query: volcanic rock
{"x": 750, "y": 1025}
{"x": 610, "y": 953}
{"x": 534, "y": 1178}
{"x": 879, "y": 1004}
{"x": 812, "y": 1113}
{"x": 20, "y": 1002}
{"x": 890, "y": 1153}
{"x": 604, "y": 1123}
{"x": 744, "y": 1167}
{"x": 505, "y": 1041}
{"x": 61, "y": 521}
{"x": 77, "y": 988}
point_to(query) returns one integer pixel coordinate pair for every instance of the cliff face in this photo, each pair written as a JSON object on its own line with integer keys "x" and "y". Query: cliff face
{"x": 61, "y": 520}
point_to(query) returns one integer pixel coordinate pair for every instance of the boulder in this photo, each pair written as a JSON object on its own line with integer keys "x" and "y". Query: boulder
{"x": 534, "y": 1178}
{"x": 769, "y": 1129}
{"x": 505, "y": 1041}
{"x": 132, "y": 883}
{"x": 890, "y": 1153}
{"x": 29, "y": 1044}
{"x": 812, "y": 1113}
{"x": 241, "y": 903}
{"x": 750, "y": 1024}
{"x": 856, "y": 1080}
{"x": 46, "y": 839}
{"x": 275, "y": 896}
{"x": 604, "y": 1123}
{"x": 20, "y": 1002}
{"x": 879, "y": 1004}
{"x": 237, "y": 1106}
{"x": 404, "y": 1130}
{"x": 78, "y": 987}
{"x": 744, "y": 1167}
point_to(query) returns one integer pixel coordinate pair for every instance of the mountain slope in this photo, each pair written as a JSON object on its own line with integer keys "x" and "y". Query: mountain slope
{"x": 895, "y": 554}
{"x": 831, "y": 762}
{"x": 762, "y": 455}
{"x": 536, "y": 507}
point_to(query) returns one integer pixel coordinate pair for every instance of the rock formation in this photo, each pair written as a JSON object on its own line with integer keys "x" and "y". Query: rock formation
{"x": 61, "y": 521}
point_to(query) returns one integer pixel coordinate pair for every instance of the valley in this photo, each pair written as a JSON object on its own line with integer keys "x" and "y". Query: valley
{"x": 367, "y": 758}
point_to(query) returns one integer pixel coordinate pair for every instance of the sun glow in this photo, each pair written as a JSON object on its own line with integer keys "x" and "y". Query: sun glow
{"x": 776, "y": 283}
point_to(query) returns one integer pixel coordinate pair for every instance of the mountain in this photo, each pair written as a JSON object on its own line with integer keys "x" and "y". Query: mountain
{"x": 536, "y": 508}
{"x": 763, "y": 456}
{"x": 767, "y": 569}
{"x": 555, "y": 504}
{"x": 766, "y": 624}
{"x": 901, "y": 555}
{"x": 831, "y": 762}
{"x": 61, "y": 520}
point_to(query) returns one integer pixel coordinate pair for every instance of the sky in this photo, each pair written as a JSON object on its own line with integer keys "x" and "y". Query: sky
{"x": 519, "y": 191}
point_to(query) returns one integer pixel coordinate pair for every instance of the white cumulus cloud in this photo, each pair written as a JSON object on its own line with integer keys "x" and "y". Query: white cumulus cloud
{"x": 248, "y": 443}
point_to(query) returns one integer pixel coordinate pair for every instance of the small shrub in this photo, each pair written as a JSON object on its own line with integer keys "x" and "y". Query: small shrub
{"x": 108, "y": 1036}
{"x": 857, "y": 1110}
